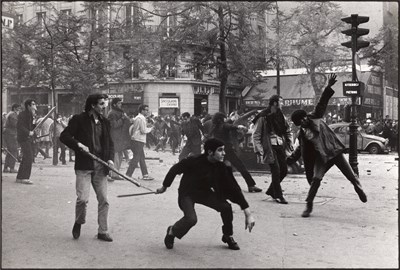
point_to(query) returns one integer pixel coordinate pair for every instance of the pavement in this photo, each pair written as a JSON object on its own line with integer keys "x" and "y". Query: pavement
{"x": 342, "y": 232}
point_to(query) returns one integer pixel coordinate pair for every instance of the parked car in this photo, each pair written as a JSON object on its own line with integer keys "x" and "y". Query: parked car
{"x": 365, "y": 142}
{"x": 246, "y": 154}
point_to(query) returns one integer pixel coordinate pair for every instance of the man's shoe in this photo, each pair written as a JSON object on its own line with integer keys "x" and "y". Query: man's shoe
{"x": 6, "y": 170}
{"x": 13, "y": 171}
{"x": 147, "y": 178}
{"x": 105, "y": 237}
{"x": 26, "y": 182}
{"x": 18, "y": 180}
{"x": 76, "y": 230}
{"x": 361, "y": 194}
{"x": 281, "y": 200}
{"x": 254, "y": 189}
{"x": 308, "y": 210}
{"x": 169, "y": 238}
{"x": 230, "y": 241}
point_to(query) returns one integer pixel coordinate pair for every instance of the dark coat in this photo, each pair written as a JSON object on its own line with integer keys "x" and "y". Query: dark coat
{"x": 24, "y": 126}
{"x": 119, "y": 130}
{"x": 10, "y": 126}
{"x": 201, "y": 176}
{"x": 79, "y": 129}
{"x": 192, "y": 129}
{"x": 324, "y": 145}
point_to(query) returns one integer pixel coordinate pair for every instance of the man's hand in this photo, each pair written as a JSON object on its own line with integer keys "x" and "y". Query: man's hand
{"x": 332, "y": 79}
{"x": 31, "y": 133}
{"x": 161, "y": 190}
{"x": 83, "y": 147}
{"x": 250, "y": 222}
{"x": 110, "y": 163}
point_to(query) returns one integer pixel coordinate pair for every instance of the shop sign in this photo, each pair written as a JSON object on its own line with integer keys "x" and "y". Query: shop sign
{"x": 201, "y": 90}
{"x": 169, "y": 103}
{"x": 111, "y": 96}
{"x": 298, "y": 102}
{"x": 7, "y": 22}
{"x": 372, "y": 101}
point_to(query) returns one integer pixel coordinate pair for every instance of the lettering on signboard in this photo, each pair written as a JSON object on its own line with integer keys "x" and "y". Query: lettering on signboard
{"x": 169, "y": 103}
{"x": 7, "y": 22}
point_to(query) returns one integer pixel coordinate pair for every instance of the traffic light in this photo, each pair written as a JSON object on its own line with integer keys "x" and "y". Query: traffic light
{"x": 355, "y": 44}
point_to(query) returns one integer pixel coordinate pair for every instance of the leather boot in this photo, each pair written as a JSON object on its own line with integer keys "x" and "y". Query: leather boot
{"x": 308, "y": 210}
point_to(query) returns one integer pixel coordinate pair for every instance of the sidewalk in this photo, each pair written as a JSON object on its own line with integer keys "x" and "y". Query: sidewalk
{"x": 342, "y": 232}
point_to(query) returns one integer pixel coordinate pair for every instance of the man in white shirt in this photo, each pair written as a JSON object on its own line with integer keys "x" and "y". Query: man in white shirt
{"x": 138, "y": 132}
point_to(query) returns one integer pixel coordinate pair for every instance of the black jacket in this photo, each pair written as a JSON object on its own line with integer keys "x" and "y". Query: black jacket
{"x": 79, "y": 129}
{"x": 24, "y": 125}
{"x": 325, "y": 145}
{"x": 202, "y": 176}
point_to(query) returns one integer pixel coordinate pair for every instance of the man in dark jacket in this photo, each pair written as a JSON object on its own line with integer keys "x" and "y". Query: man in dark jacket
{"x": 320, "y": 148}
{"x": 10, "y": 138}
{"x": 191, "y": 127}
{"x": 120, "y": 124}
{"x": 206, "y": 180}
{"x": 222, "y": 131}
{"x": 89, "y": 132}
{"x": 25, "y": 136}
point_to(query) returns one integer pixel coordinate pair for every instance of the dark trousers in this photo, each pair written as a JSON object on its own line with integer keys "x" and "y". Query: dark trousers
{"x": 25, "y": 168}
{"x": 231, "y": 156}
{"x": 173, "y": 140}
{"x": 321, "y": 168}
{"x": 209, "y": 199}
{"x": 278, "y": 171}
{"x": 37, "y": 149}
{"x": 59, "y": 144}
{"x": 190, "y": 148}
{"x": 138, "y": 157}
{"x": 11, "y": 144}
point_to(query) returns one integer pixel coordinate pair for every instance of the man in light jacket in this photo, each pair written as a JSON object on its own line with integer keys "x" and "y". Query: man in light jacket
{"x": 138, "y": 132}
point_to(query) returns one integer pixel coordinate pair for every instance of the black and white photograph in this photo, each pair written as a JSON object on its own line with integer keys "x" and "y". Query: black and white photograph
{"x": 199, "y": 134}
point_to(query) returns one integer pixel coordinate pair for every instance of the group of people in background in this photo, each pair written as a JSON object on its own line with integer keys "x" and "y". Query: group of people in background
{"x": 208, "y": 179}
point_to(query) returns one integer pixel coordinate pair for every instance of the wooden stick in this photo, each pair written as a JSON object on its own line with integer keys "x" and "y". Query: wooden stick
{"x": 136, "y": 194}
{"x": 116, "y": 171}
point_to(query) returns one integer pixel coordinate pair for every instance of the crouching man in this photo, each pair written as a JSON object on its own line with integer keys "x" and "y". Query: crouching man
{"x": 208, "y": 181}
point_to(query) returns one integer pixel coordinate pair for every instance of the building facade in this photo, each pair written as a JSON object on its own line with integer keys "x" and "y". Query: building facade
{"x": 175, "y": 92}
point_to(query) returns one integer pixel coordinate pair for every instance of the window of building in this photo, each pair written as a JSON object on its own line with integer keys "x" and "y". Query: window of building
{"x": 135, "y": 68}
{"x": 41, "y": 16}
{"x": 132, "y": 15}
{"x": 65, "y": 12}
{"x": 94, "y": 16}
{"x": 20, "y": 18}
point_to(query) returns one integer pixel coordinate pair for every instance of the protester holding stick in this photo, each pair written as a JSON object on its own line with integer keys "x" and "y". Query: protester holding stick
{"x": 89, "y": 132}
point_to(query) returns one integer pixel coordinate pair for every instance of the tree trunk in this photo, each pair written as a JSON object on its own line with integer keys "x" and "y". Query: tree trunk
{"x": 223, "y": 65}
{"x": 314, "y": 84}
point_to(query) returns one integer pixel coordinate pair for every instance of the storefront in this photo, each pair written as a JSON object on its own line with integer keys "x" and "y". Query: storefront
{"x": 297, "y": 93}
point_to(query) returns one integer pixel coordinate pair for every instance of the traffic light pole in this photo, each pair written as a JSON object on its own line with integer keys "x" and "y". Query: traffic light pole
{"x": 353, "y": 116}
{"x": 355, "y": 45}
